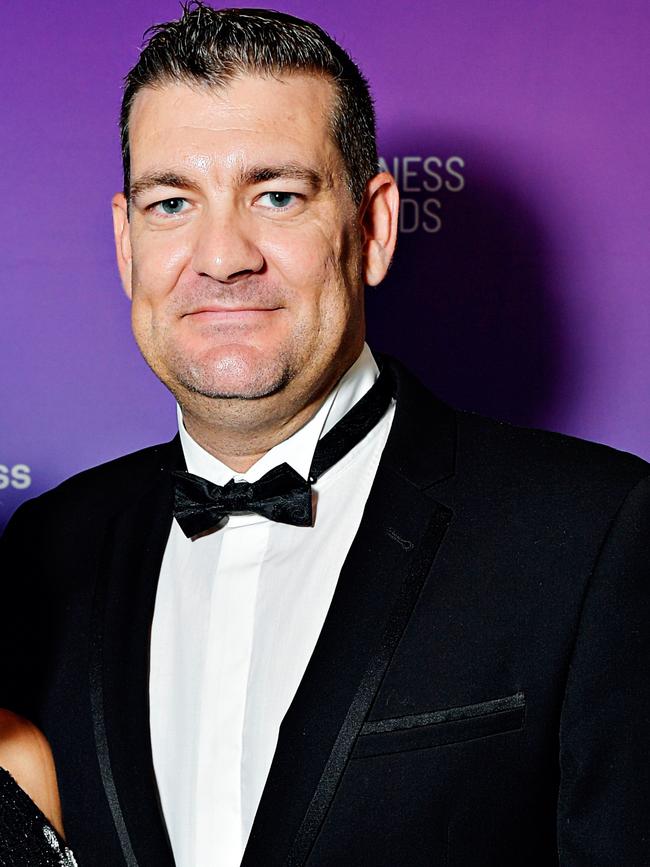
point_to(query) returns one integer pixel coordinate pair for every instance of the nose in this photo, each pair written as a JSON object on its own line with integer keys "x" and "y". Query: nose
{"x": 225, "y": 248}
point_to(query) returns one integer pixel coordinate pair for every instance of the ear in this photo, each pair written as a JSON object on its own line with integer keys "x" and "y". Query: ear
{"x": 122, "y": 231}
{"x": 379, "y": 218}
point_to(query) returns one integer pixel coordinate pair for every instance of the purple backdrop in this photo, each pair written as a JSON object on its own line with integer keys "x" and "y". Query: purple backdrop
{"x": 519, "y": 133}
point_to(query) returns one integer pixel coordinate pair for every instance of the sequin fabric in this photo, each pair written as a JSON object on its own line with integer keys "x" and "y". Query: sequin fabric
{"x": 26, "y": 837}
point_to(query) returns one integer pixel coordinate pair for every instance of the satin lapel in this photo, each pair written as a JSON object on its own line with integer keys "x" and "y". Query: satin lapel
{"x": 379, "y": 585}
{"x": 119, "y": 671}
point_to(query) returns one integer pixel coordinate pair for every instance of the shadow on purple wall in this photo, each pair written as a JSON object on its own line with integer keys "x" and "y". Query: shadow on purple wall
{"x": 470, "y": 308}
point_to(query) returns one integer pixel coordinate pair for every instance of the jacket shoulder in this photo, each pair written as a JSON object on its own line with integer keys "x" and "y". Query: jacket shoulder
{"x": 495, "y": 458}
{"x": 104, "y": 488}
{"x": 538, "y": 459}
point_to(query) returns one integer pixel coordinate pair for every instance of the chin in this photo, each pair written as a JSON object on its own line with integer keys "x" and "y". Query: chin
{"x": 242, "y": 373}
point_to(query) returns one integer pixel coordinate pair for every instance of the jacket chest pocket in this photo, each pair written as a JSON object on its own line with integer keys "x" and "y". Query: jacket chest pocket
{"x": 441, "y": 727}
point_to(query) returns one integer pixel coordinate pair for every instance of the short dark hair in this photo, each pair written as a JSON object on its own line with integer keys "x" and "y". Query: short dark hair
{"x": 214, "y": 46}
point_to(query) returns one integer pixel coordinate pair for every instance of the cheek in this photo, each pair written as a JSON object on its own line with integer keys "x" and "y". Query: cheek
{"x": 312, "y": 268}
{"x": 341, "y": 295}
{"x": 157, "y": 265}
{"x": 299, "y": 261}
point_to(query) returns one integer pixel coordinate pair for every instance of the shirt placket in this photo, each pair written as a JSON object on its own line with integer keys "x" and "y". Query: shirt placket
{"x": 218, "y": 830}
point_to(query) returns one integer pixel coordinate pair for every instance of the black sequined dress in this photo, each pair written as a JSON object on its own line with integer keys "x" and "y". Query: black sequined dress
{"x": 26, "y": 837}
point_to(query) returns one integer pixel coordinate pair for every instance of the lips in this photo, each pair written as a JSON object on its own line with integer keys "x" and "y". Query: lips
{"x": 236, "y": 316}
{"x": 226, "y": 311}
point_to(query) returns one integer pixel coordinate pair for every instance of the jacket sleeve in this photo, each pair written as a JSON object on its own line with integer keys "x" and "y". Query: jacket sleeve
{"x": 604, "y": 799}
{"x": 24, "y": 614}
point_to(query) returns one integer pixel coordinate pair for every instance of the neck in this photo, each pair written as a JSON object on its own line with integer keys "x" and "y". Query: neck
{"x": 239, "y": 432}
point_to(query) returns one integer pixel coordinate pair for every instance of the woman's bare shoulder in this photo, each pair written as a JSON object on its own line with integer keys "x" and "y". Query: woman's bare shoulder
{"x": 26, "y": 754}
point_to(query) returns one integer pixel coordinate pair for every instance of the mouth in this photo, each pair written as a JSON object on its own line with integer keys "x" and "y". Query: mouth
{"x": 220, "y": 313}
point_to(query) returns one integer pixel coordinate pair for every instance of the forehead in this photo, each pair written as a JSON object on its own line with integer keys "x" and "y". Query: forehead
{"x": 252, "y": 118}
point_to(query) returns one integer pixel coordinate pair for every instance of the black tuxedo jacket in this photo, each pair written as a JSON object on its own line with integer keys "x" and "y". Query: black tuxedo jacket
{"x": 479, "y": 694}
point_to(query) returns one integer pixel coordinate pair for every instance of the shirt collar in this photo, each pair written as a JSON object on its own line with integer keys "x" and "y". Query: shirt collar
{"x": 298, "y": 449}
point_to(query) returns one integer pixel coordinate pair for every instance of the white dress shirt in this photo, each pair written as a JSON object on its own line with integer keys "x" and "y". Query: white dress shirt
{"x": 237, "y": 616}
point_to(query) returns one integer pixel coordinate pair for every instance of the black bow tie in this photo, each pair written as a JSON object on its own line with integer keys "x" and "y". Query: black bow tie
{"x": 281, "y": 494}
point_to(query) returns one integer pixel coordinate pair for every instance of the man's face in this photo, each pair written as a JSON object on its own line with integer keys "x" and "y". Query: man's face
{"x": 242, "y": 252}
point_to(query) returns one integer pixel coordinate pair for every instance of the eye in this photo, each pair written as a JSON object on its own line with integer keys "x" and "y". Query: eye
{"x": 278, "y": 199}
{"x": 170, "y": 206}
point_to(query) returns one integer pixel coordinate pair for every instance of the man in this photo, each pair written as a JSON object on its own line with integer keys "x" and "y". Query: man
{"x": 334, "y": 622}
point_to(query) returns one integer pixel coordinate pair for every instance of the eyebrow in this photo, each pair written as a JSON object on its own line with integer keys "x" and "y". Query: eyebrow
{"x": 284, "y": 171}
{"x": 247, "y": 177}
{"x": 153, "y": 180}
